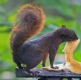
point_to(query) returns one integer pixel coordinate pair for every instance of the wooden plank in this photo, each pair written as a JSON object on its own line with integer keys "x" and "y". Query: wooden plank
{"x": 47, "y": 74}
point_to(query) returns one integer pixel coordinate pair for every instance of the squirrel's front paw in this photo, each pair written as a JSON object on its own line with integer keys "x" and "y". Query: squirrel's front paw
{"x": 55, "y": 67}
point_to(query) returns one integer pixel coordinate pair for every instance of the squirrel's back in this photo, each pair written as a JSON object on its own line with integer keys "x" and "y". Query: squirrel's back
{"x": 30, "y": 22}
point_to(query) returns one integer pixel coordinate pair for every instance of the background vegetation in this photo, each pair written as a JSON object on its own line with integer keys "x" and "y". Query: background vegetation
{"x": 58, "y": 12}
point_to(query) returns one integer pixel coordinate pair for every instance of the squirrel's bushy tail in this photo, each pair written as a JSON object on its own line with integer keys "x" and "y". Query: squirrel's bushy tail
{"x": 30, "y": 22}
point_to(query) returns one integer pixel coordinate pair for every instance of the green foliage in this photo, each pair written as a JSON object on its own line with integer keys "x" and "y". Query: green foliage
{"x": 58, "y": 12}
{"x": 3, "y": 1}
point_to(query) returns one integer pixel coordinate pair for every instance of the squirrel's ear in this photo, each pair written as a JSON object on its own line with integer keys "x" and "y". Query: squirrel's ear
{"x": 63, "y": 26}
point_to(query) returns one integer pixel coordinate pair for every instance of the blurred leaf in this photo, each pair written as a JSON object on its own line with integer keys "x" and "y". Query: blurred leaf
{"x": 5, "y": 23}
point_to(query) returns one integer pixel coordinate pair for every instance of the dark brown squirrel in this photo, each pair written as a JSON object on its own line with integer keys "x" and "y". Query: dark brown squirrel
{"x": 30, "y": 22}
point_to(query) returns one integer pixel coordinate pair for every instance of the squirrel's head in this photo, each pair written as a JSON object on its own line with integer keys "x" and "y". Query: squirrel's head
{"x": 66, "y": 34}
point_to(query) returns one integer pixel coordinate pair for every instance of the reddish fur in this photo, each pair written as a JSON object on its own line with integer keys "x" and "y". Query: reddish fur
{"x": 34, "y": 27}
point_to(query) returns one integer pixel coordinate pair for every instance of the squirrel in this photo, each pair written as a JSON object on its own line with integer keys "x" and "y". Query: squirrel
{"x": 30, "y": 22}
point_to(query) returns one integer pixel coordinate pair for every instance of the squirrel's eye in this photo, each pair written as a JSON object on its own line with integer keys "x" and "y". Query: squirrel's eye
{"x": 70, "y": 38}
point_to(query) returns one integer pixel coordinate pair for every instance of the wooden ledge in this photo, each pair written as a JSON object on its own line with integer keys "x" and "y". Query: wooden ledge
{"x": 47, "y": 74}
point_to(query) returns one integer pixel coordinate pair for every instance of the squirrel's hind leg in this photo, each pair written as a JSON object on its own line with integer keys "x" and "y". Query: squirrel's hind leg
{"x": 34, "y": 72}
